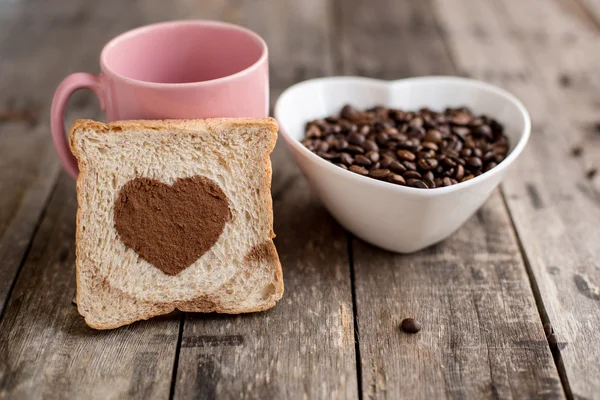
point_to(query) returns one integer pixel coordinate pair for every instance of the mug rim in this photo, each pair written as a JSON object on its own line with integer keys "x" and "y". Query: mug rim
{"x": 195, "y": 22}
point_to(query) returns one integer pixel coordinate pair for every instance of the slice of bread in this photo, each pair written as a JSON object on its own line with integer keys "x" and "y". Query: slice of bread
{"x": 174, "y": 214}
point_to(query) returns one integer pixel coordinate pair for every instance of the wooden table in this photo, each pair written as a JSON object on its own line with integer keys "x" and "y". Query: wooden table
{"x": 529, "y": 257}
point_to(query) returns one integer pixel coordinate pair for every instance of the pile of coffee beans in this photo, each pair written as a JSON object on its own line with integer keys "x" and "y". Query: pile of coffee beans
{"x": 422, "y": 149}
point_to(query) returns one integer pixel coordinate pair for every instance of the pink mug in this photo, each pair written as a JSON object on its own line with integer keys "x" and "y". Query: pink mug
{"x": 178, "y": 69}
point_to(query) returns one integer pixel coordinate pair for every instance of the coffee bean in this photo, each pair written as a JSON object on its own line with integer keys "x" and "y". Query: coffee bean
{"x": 370, "y": 145}
{"x": 356, "y": 138}
{"x": 355, "y": 149}
{"x": 362, "y": 160}
{"x": 406, "y": 155}
{"x": 323, "y": 147}
{"x": 348, "y": 111}
{"x": 489, "y": 166}
{"x": 430, "y": 145}
{"x": 410, "y": 325}
{"x": 397, "y": 166}
{"x": 460, "y": 172}
{"x": 474, "y": 162}
{"x": 313, "y": 132}
{"x": 359, "y": 170}
{"x": 448, "y": 162}
{"x": 430, "y": 183}
{"x": 427, "y": 164}
{"x": 433, "y": 136}
{"x": 416, "y": 183}
{"x": 379, "y": 173}
{"x": 424, "y": 148}
{"x": 373, "y": 156}
{"x": 340, "y": 144}
{"x": 397, "y": 179}
{"x": 328, "y": 156}
{"x": 346, "y": 159}
{"x": 461, "y": 118}
{"x": 411, "y": 175}
{"x": 411, "y": 166}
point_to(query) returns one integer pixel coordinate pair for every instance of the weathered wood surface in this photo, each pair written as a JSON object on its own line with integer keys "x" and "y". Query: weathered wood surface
{"x": 549, "y": 57}
{"x": 304, "y": 347}
{"x": 482, "y": 336}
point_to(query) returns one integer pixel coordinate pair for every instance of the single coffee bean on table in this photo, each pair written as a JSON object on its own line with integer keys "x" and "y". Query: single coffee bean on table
{"x": 424, "y": 149}
{"x": 410, "y": 325}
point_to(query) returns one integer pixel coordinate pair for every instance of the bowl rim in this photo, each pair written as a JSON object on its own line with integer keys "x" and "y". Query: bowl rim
{"x": 512, "y": 156}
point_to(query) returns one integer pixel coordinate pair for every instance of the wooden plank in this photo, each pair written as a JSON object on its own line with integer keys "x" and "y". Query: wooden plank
{"x": 528, "y": 49}
{"x": 482, "y": 335}
{"x": 47, "y": 351}
{"x": 304, "y": 347}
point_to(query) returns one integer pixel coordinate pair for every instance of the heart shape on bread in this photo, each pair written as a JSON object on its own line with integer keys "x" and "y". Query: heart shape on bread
{"x": 171, "y": 226}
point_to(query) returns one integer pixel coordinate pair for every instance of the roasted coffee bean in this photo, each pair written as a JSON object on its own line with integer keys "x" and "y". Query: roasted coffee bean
{"x": 379, "y": 173}
{"x": 328, "y": 156}
{"x": 448, "y": 162}
{"x": 323, "y": 147}
{"x": 433, "y": 136}
{"x": 340, "y": 144}
{"x": 489, "y": 166}
{"x": 373, "y": 156}
{"x": 416, "y": 183}
{"x": 385, "y": 161}
{"x": 461, "y": 118}
{"x": 460, "y": 172}
{"x": 313, "y": 132}
{"x": 348, "y": 111}
{"x": 370, "y": 145}
{"x": 406, "y": 155}
{"x": 397, "y": 179}
{"x": 359, "y": 170}
{"x": 346, "y": 159}
{"x": 396, "y": 166}
{"x": 412, "y": 175}
{"x": 427, "y": 164}
{"x": 352, "y": 148}
{"x": 591, "y": 173}
{"x": 411, "y": 166}
{"x": 474, "y": 162}
{"x": 428, "y": 148}
{"x": 356, "y": 138}
{"x": 362, "y": 160}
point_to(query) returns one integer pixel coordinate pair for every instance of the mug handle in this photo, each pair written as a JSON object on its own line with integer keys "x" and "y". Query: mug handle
{"x": 72, "y": 83}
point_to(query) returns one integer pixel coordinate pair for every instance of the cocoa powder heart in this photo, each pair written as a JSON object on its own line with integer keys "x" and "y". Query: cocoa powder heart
{"x": 171, "y": 226}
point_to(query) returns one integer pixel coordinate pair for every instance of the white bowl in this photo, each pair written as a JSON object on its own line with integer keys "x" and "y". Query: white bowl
{"x": 397, "y": 218}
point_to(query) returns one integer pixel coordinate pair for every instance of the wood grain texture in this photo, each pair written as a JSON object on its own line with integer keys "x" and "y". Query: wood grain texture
{"x": 482, "y": 336}
{"x": 304, "y": 347}
{"x": 47, "y": 351}
{"x": 548, "y": 57}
